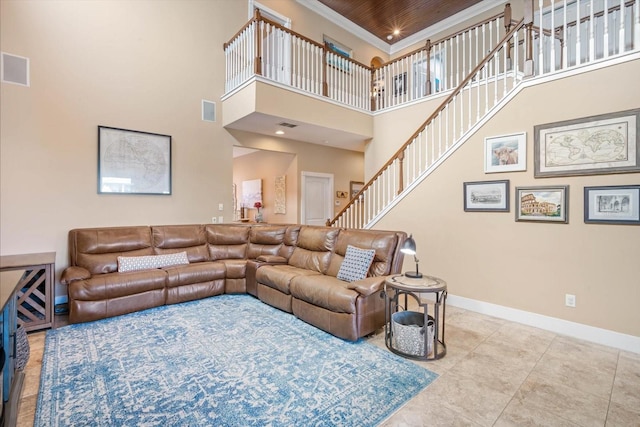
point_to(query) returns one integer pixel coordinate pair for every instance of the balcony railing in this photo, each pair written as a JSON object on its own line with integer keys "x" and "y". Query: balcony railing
{"x": 265, "y": 48}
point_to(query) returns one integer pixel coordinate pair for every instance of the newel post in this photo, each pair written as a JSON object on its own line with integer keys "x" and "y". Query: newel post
{"x": 528, "y": 25}
{"x": 507, "y": 27}
{"x": 428, "y": 48}
{"x": 258, "y": 61}
{"x": 401, "y": 172}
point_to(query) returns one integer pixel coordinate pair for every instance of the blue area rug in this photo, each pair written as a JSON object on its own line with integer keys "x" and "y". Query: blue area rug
{"x": 229, "y": 360}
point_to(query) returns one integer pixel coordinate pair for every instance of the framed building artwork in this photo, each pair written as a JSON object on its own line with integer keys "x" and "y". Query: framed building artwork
{"x": 542, "y": 204}
{"x": 616, "y": 204}
{"x": 486, "y": 196}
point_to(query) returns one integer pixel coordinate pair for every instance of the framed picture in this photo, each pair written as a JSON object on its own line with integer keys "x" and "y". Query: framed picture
{"x": 133, "y": 162}
{"x": 505, "y": 153}
{"x": 355, "y": 187}
{"x": 486, "y": 196}
{"x": 616, "y": 204}
{"x": 588, "y": 146}
{"x": 340, "y": 60}
{"x": 542, "y": 204}
{"x": 400, "y": 84}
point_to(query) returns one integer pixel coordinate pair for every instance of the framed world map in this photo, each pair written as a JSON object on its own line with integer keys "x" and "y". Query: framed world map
{"x": 133, "y": 162}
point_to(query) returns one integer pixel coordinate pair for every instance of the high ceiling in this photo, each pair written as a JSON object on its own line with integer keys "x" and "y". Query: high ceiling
{"x": 382, "y": 17}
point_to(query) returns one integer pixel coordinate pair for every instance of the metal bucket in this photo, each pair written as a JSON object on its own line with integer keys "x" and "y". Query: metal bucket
{"x": 407, "y": 329}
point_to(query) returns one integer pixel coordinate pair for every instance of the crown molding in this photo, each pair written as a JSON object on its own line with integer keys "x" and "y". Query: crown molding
{"x": 366, "y": 36}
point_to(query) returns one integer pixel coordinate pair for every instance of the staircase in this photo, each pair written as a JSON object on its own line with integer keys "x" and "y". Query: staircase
{"x": 555, "y": 37}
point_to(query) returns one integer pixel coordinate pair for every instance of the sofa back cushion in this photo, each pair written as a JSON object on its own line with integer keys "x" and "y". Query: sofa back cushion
{"x": 314, "y": 247}
{"x": 191, "y": 239}
{"x": 385, "y": 244}
{"x": 265, "y": 240}
{"x": 227, "y": 241}
{"x": 97, "y": 249}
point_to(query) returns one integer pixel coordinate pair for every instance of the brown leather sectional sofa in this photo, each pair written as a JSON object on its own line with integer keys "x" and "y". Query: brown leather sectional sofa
{"x": 291, "y": 267}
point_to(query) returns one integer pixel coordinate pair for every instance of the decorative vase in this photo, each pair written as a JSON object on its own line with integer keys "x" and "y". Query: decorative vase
{"x": 259, "y": 217}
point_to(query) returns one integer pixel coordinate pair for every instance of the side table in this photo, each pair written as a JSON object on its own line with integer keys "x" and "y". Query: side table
{"x": 430, "y": 294}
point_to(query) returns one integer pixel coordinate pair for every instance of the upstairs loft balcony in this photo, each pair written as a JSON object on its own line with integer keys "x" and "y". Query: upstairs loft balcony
{"x": 275, "y": 76}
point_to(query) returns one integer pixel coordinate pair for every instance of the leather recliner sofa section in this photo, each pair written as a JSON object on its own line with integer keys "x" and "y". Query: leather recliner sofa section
{"x": 290, "y": 267}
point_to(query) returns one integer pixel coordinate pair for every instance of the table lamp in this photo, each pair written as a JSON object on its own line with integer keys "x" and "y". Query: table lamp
{"x": 409, "y": 248}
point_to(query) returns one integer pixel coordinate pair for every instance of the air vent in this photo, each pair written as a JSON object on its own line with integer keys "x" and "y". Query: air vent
{"x": 15, "y": 69}
{"x": 287, "y": 125}
{"x": 208, "y": 111}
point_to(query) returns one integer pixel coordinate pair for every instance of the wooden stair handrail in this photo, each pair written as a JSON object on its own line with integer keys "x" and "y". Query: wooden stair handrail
{"x": 437, "y": 111}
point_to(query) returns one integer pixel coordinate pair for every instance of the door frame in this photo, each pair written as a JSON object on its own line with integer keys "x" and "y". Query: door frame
{"x": 303, "y": 186}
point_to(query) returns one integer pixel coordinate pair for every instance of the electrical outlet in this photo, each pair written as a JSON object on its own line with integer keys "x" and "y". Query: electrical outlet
{"x": 220, "y": 220}
{"x": 220, "y": 207}
{"x": 214, "y": 220}
{"x": 570, "y": 300}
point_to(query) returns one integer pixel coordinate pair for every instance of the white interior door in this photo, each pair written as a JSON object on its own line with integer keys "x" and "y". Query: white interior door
{"x": 276, "y": 45}
{"x": 317, "y": 204}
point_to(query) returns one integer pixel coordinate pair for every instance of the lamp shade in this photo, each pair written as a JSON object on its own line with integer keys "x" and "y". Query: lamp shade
{"x": 409, "y": 246}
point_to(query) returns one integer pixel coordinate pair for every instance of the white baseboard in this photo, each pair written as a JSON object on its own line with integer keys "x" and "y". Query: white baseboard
{"x": 564, "y": 327}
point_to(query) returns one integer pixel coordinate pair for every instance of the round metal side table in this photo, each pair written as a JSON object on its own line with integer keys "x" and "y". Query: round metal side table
{"x": 430, "y": 294}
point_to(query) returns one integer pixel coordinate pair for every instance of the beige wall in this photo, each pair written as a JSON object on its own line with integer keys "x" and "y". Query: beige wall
{"x": 531, "y": 266}
{"x": 266, "y": 166}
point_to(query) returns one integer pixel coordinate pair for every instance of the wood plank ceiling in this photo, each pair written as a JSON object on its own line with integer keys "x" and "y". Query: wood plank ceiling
{"x": 382, "y": 17}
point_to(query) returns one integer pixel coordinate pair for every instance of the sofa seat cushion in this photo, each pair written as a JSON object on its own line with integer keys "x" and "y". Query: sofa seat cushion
{"x": 279, "y": 276}
{"x": 115, "y": 285}
{"x": 325, "y": 291}
{"x": 194, "y": 273}
{"x": 235, "y": 268}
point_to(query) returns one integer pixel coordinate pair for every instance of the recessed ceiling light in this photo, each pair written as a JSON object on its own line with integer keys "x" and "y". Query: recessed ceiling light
{"x": 396, "y": 32}
{"x": 390, "y": 36}
{"x": 279, "y": 132}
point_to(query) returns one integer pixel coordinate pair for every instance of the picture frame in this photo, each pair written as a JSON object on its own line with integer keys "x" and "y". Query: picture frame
{"x": 133, "y": 162}
{"x": 505, "y": 153}
{"x": 614, "y": 204}
{"x": 595, "y": 145}
{"x": 543, "y": 204}
{"x": 341, "y": 61}
{"x": 355, "y": 187}
{"x": 486, "y": 196}
{"x": 400, "y": 84}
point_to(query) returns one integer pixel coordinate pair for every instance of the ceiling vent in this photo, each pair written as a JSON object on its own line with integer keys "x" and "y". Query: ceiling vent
{"x": 287, "y": 125}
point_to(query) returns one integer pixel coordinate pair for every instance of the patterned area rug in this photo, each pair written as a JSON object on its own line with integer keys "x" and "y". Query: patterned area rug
{"x": 229, "y": 360}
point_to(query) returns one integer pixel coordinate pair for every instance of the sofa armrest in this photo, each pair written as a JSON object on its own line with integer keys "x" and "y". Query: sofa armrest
{"x": 72, "y": 274}
{"x": 272, "y": 259}
{"x": 369, "y": 285}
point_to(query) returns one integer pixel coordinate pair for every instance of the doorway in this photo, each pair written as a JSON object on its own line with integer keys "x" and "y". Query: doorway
{"x": 316, "y": 205}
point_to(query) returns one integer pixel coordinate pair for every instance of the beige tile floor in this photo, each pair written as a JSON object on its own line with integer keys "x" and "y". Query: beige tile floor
{"x": 495, "y": 373}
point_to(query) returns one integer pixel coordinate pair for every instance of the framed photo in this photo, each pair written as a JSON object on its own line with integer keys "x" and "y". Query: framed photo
{"x": 133, "y": 162}
{"x": 616, "y": 204}
{"x": 542, "y": 204}
{"x": 486, "y": 196}
{"x": 505, "y": 153}
{"x": 340, "y": 60}
{"x": 355, "y": 187}
{"x": 400, "y": 84}
{"x": 588, "y": 146}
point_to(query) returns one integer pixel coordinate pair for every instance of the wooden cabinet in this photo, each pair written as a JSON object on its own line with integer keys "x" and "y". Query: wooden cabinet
{"x": 36, "y": 288}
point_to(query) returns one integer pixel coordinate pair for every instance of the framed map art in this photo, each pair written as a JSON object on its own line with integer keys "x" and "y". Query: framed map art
{"x": 603, "y": 144}
{"x": 133, "y": 162}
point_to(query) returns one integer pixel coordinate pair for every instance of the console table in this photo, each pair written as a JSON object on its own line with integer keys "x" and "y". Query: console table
{"x": 430, "y": 294}
{"x": 35, "y": 289}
